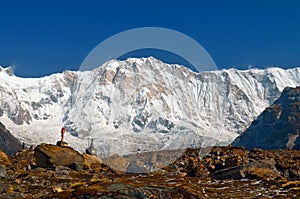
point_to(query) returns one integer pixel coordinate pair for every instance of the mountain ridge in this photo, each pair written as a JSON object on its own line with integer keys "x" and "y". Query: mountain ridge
{"x": 140, "y": 104}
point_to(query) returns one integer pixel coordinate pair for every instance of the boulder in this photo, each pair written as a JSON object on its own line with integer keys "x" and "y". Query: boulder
{"x": 135, "y": 168}
{"x": 3, "y": 173}
{"x": 233, "y": 173}
{"x": 48, "y": 156}
{"x": 118, "y": 163}
{"x": 62, "y": 172}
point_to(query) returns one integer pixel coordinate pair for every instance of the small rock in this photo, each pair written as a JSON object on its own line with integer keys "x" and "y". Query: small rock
{"x": 60, "y": 143}
{"x": 18, "y": 181}
{"x": 57, "y": 189}
{"x": 10, "y": 189}
{"x": 3, "y": 188}
{"x": 62, "y": 170}
{"x": 77, "y": 184}
{"x": 3, "y": 173}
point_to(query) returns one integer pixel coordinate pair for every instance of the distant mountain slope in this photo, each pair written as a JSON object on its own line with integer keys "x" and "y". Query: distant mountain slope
{"x": 278, "y": 127}
{"x": 8, "y": 143}
{"x": 139, "y": 105}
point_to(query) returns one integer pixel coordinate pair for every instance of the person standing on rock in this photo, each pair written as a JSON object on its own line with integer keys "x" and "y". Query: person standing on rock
{"x": 63, "y": 131}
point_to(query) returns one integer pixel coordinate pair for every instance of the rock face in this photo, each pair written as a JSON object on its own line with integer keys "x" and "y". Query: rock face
{"x": 277, "y": 127}
{"x": 8, "y": 143}
{"x": 48, "y": 156}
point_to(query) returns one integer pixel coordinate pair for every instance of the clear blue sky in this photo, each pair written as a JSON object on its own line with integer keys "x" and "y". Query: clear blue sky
{"x": 44, "y": 37}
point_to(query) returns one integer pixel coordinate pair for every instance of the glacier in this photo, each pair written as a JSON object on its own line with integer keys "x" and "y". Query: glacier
{"x": 139, "y": 105}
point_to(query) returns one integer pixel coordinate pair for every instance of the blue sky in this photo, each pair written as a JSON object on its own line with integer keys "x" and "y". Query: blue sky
{"x": 43, "y": 37}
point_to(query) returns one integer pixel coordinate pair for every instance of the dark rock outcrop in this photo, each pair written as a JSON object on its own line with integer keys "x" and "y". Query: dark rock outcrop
{"x": 234, "y": 173}
{"x": 8, "y": 143}
{"x": 278, "y": 127}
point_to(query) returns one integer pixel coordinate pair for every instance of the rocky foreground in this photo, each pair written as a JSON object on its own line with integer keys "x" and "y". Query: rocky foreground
{"x": 51, "y": 171}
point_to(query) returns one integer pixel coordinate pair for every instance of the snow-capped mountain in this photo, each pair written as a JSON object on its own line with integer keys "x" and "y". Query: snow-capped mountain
{"x": 139, "y": 105}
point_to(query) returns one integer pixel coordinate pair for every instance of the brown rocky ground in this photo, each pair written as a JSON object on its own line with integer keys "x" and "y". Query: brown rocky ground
{"x": 226, "y": 172}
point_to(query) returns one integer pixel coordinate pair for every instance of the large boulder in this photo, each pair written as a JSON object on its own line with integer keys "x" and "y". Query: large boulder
{"x": 48, "y": 156}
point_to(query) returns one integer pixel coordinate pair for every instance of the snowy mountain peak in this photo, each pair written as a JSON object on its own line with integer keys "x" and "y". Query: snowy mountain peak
{"x": 139, "y": 104}
{"x": 8, "y": 70}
